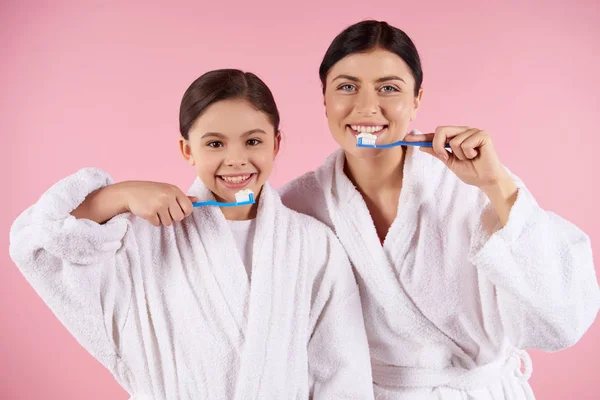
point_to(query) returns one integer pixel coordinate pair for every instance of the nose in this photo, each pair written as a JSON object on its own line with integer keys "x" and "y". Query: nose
{"x": 236, "y": 157}
{"x": 367, "y": 103}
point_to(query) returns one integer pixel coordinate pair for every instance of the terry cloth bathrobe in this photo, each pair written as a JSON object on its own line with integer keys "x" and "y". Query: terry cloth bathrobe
{"x": 170, "y": 311}
{"x": 451, "y": 298}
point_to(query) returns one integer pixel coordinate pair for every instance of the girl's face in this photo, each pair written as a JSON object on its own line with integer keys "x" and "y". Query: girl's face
{"x": 370, "y": 92}
{"x": 233, "y": 146}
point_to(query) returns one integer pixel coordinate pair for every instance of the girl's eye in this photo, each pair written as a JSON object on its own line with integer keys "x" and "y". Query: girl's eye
{"x": 215, "y": 144}
{"x": 253, "y": 142}
{"x": 347, "y": 88}
{"x": 388, "y": 89}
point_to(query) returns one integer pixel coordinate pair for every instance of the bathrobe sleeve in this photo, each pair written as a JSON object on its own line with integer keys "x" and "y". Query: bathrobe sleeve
{"x": 78, "y": 267}
{"x": 338, "y": 351}
{"x": 542, "y": 267}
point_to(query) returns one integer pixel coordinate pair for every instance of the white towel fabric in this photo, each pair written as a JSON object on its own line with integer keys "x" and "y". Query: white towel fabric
{"x": 450, "y": 299}
{"x": 170, "y": 310}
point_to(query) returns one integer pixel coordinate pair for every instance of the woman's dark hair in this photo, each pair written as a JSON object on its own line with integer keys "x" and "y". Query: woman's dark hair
{"x": 369, "y": 35}
{"x": 224, "y": 84}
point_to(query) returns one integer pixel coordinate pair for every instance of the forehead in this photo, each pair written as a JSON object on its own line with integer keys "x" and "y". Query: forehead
{"x": 371, "y": 65}
{"x": 231, "y": 117}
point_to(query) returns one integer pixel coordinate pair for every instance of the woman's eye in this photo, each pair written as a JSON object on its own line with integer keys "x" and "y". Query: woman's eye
{"x": 388, "y": 89}
{"x": 215, "y": 144}
{"x": 347, "y": 88}
{"x": 253, "y": 142}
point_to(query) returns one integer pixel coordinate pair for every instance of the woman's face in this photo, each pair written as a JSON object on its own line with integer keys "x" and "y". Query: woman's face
{"x": 370, "y": 92}
{"x": 233, "y": 146}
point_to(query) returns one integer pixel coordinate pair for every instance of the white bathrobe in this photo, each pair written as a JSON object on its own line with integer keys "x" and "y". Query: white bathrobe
{"x": 450, "y": 299}
{"x": 171, "y": 313}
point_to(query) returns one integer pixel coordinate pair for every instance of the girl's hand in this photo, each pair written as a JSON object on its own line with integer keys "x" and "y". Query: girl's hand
{"x": 158, "y": 203}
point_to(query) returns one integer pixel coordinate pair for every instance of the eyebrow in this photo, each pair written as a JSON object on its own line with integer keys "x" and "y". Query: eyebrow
{"x": 348, "y": 77}
{"x": 390, "y": 78}
{"x": 221, "y": 136}
{"x": 383, "y": 79}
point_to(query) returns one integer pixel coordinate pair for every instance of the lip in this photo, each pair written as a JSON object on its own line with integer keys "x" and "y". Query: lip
{"x": 237, "y": 185}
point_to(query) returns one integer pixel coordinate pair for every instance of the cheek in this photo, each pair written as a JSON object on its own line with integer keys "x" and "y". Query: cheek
{"x": 397, "y": 111}
{"x": 207, "y": 164}
{"x": 338, "y": 107}
{"x": 264, "y": 158}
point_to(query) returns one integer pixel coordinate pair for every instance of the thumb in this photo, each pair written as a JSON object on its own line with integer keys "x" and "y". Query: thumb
{"x": 193, "y": 199}
{"x": 416, "y": 136}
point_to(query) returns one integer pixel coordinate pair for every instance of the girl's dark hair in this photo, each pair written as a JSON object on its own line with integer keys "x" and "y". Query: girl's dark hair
{"x": 224, "y": 84}
{"x": 368, "y": 35}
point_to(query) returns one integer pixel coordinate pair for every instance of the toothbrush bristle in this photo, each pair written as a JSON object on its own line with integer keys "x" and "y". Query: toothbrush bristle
{"x": 366, "y": 140}
{"x": 244, "y": 196}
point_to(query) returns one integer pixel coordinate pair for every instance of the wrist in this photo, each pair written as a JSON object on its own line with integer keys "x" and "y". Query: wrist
{"x": 120, "y": 194}
{"x": 503, "y": 195}
{"x": 503, "y": 188}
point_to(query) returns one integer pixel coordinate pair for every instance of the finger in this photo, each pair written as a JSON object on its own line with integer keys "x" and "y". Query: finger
{"x": 164, "y": 216}
{"x": 439, "y": 144}
{"x": 457, "y": 141}
{"x": 186, "y": 204}
{"x": 419, "y": 137}
{"x": 431, "y": 151}
{"x": 154, "y": 220}
{"x": 175, "y": 211}
{"x": 472, "y": 145}
{"x": 451, "y": 131}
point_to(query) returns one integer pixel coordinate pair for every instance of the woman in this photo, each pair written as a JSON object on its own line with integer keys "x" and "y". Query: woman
{"x": 247, "y": 302}
{"x": 459, "y": 269}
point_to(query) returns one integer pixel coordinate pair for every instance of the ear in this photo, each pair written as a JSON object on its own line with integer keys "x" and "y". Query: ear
{"x": 186, "y": 151}
{"x": 277, "y": 144}
{"x": 416, "y": 105}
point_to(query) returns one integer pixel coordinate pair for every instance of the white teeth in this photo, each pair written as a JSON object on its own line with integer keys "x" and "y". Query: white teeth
{"x": 366, "y": 129}
{"x": 235, "y": 179}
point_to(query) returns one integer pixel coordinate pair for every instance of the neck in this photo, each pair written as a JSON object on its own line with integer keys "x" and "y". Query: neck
{"x": 379, "y": 174}
{"x": 241, "y": 213}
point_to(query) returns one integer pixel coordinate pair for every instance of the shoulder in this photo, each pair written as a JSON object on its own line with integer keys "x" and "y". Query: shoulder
{"x": 301, "y": 217}
{"x": 305, "y": 186}
{"x": 305, "y": 195}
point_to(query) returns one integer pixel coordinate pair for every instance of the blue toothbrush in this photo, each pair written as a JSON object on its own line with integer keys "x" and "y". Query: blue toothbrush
{"x": 242, "y": 198}
{"x": 370, "y": 143}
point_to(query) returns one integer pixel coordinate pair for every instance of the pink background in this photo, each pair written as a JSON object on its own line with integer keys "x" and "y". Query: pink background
{"x": 101, "y": 85}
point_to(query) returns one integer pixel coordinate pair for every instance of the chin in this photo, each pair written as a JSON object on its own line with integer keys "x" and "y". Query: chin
{"x": 368, "y": 154}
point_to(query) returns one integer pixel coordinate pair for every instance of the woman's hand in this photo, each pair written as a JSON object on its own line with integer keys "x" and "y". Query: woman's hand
{"x": 474, "y": 161}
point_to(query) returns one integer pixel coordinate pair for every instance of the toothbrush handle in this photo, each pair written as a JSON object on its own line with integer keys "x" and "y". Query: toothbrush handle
{"x": 219, "y": 204}
{"x": 359, "y": 143}
{"x": 205, "y": 203}
{"x": 401, "y": 143}
{"x": 420, "y": 144}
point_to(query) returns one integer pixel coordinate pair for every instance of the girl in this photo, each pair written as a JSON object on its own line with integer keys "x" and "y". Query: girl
{"x": 459, "y": 269}
{"x": 248, "y": 302}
